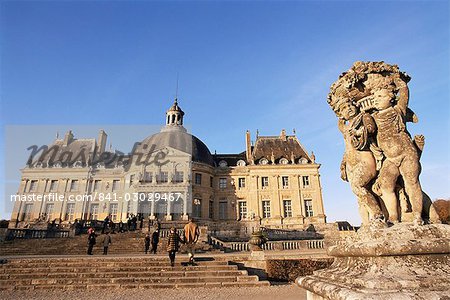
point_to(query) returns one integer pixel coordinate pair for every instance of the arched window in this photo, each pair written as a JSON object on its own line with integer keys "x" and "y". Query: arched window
{"x": 197, "y": 207}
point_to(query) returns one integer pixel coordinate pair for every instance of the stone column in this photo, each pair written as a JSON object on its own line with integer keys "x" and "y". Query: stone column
{"x": 152, "y": 209}
{"x": 168, "y": 214}
{"x": 185, "y": 215}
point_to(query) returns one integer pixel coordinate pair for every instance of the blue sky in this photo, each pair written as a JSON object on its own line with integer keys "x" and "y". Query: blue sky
{"x": 263, "y": 65}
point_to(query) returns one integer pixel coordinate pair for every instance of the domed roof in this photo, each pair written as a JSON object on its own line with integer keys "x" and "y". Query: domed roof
{"x": 179, "y": 139}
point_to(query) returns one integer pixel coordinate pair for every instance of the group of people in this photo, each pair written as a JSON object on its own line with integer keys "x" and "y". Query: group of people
{"x": 190, "y": 238}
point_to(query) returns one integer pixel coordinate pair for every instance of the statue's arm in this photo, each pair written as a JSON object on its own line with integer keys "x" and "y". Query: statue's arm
{"x": 344, "y": 169}
{"x": 342, "y": 127}
{"x": 403, "y": 96}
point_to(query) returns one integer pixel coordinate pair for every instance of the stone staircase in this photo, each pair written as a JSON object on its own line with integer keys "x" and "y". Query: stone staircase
{"x": 101, "y": 272}
{"x": 122, "y": 243}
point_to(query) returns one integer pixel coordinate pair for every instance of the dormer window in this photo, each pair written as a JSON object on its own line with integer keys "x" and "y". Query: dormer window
{"x": 284, "y": 161}
{"x": 263, "y": 161}
{"x": 241, "y": 163}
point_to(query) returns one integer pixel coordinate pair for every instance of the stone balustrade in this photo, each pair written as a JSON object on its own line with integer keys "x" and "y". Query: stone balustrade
{"x": 269, "y": 246}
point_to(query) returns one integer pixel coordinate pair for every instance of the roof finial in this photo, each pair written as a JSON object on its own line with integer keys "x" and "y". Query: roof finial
{"x": 57, "y": 135}
{"x": 294, "y": 131}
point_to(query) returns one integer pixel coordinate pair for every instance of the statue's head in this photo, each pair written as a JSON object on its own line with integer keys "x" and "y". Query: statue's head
{"x": 383, "y": 98}
{"x": 346, "y": 110}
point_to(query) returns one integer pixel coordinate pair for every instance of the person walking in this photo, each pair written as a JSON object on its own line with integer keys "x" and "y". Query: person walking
{"x": 155, "y": 241}
{"x": 191, "y": 235}
{"x": 173, "y": 243}
{"x": 91, "y": 242}
{"x": 106, "y": 242}
{"x": 147, "y": 242}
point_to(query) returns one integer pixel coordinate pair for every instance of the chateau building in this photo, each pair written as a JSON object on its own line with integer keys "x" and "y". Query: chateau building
{"x": 170, "y": 176}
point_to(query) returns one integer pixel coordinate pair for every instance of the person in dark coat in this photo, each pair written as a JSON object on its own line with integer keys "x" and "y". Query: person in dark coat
{"x": 173, "y": 244}
{"x": 91, "y": 242}
{"x": 106, "y": 242}
{"x": 129, "y": 222}
{"x": 134, "y": 222}
{"x": 155, "y": 241}
{"x": 105, "y": 224}
{"x": 147, "y": 242}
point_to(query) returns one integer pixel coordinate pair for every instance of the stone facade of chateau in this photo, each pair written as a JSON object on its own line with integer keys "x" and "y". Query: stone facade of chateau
{"x": 170, "y": 176}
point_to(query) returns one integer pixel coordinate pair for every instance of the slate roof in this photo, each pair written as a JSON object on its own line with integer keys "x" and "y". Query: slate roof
{"x": 281, "y": 147}
{"x": 231, "y": 159}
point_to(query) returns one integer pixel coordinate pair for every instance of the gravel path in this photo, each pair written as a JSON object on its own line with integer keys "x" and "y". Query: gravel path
{"x": 274, "y": 292}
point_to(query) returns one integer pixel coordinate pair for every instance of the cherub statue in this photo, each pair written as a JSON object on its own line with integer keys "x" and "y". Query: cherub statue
{"x": 401, "y": 155}
{"x": 380, "y": 95}
{"x": 358, "y": 165}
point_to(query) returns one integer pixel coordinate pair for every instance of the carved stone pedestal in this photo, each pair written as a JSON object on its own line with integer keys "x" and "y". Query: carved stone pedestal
{"x": 404, "y": 261}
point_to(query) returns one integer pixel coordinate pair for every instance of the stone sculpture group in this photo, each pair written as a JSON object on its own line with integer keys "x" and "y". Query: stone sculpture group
{"x": 381, "y": 160}
{"x": 395, "y": 254}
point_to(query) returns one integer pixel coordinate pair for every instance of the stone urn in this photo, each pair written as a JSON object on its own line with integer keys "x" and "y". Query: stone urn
{"x": 256, "y": 241}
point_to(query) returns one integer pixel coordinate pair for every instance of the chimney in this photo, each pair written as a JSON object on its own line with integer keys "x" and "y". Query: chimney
{"x": 248, "y": 145}
{"x": 68, "y": 138}
{"x": 283, "y": 135}
{"x": 101, "y": 141}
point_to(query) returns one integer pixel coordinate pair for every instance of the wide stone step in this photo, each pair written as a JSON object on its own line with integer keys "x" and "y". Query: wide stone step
{"x": 179, "y": 268}
{"x": 138, "y": 285}
{"x": 100, "y": 264}
{"x": 124, "y": 280}
{"x": 122, "y": 274}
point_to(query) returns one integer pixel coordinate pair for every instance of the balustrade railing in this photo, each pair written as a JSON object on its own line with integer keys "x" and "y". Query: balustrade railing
{"x": 268, "y": 246}
{"x": 17, "y": 233}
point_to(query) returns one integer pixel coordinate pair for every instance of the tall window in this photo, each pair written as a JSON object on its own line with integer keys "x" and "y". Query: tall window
{"x": 148, "y": 176}
{"x": 33, "y": 185}
{"x": 94, "y": 212}
{"x": 222, "y": 183}
{"x": 179, "y": 176}
{"x": 264, "y": 182}
{"x": 97, "y": 184}
{"x": 198, "y": 178}
{"x": 285, "y": 182}
{"x": 49, "y": 207}
{"x": 305, "y": 180}
{"x": 70, "y": 212}
{"x": 74, "y": 185}
{"x": 210, "y": 181}
{"x": 53, "y": 185}
{"x": 223, "y": 209}
{"x": 211, "y": 209}
{"x": 242, "y": 210}
{"x": 131, "y": 180}
{"x": 309, "y": 208}
{"x": 113, "y": 208}
{"x": 115, "y": 185}
{"x": 266, "y": 208}
{"x": 287, "y": 208}
{"x": 26, "y": 215}
{"x": 163, "y": 177}
{"x": 241, "y": 182}
{"x": 197, "y": 207}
